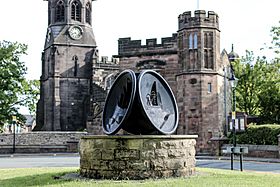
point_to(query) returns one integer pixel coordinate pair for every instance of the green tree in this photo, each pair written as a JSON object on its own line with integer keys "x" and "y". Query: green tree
{"x": 15, "y": 90}
{"x": 275, "y": 34}
{"x": 258, "y": 89}
{"x": 250, "y": 76}
{"x": 269, "y": 96}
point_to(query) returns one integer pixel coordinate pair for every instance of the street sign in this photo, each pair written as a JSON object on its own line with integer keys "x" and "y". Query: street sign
{"x": 233, "y": 115}
{"x": 236, "y": 150}
{"x": 14, "y": 118}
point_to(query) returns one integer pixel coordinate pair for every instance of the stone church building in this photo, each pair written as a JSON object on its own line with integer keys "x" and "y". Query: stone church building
{"x": 75, "y": 79}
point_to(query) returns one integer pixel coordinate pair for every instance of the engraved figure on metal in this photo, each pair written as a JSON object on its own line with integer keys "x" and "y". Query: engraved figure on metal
{"x": 141, "y": 103}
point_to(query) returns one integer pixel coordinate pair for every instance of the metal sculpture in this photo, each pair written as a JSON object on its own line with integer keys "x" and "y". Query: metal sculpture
{"x": 141, "y": 103}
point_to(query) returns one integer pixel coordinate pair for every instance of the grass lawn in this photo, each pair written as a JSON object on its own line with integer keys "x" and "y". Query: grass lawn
{"x": 204, "y": 177}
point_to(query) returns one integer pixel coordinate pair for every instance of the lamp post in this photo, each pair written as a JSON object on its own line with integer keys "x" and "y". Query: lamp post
{"x": 14, "y": 133}
{"x": 233, "y": 82}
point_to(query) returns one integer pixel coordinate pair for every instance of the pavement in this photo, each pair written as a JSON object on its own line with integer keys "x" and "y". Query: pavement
{"x": 73, "y": 160}
{"x": 236, "y": 158}
{"x": 38, "y": 155}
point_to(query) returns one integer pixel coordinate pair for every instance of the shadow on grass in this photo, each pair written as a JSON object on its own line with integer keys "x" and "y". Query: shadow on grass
{"x": 35, "y": 180}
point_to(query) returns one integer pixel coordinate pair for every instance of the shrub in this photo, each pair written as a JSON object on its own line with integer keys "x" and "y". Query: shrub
{"x": 259, "y": 135}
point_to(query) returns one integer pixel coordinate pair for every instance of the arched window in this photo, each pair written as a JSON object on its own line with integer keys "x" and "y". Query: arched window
{"x": 208, "y": 50}
{"x": 190, "y": 41}
{"x": 88, "y": 13}
{"x": 76, "y": 10}
{"x": 206, "y": 42}
{"x": 206, "y": 60}
{"x": 60, "y": 12}
{"x": 195, "y": 41}
{"x": 109, "y": 80}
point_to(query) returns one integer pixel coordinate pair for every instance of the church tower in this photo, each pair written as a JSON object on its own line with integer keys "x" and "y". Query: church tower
{"x": 67, "y": 61}
{"x": 200, "y": 82}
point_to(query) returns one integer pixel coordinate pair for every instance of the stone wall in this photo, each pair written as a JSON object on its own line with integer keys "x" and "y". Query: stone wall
{"x": 262, "y": 151}
{"x": 137, "y": 157}
{"x": 103, "y": 70}
{"x": 198, "y": 107}
{"x": 161, "y": 57}
{"x": 94, "y": 120}
{"x": 279, "y": 144}
{"x": 35, "y": 142}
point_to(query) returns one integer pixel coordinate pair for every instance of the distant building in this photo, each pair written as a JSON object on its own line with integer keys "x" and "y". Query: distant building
{"x": 71, "y": 70}
{"x": 74, "y": 81}
{"x": 26, "y": 127}
{"x": 191, "y": 62}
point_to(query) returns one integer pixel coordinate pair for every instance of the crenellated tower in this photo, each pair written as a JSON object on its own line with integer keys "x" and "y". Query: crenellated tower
{"x": 200, "y": 83}
{"x": 199, "y": 41}
{"x": 67, "y": 66}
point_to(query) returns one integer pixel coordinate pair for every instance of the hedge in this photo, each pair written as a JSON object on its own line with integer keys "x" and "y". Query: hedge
{"x": 259, "y": 135}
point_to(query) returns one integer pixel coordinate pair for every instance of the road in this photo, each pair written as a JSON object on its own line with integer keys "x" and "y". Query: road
{"x": 31, "y": 161}
{"x": 73, "y": 160}
{"x": 247, "y": 165}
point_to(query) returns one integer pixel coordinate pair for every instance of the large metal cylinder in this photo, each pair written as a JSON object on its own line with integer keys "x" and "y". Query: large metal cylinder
{"x": 141, "y": 103}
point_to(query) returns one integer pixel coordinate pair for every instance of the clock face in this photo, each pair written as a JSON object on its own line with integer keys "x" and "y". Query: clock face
{"x": 75, "y": 32}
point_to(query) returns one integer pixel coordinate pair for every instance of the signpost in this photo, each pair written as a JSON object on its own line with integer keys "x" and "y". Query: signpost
{"x": 237, "y": 151}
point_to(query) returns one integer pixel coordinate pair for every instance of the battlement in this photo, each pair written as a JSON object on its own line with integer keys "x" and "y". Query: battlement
{"x": 128, "y": 46}
{"x": 105, "y": 60}
{"x": 200, "y": 19}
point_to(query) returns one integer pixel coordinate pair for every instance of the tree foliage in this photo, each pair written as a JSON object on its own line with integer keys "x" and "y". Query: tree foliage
{"x": 266, "y": 134}
{"x": 269, "y": 96}
{"x": 15, "y": 90}
{"x": 275, "y": 33}
{"x": 258, "y": 89}
{"x": 249, "y": 83}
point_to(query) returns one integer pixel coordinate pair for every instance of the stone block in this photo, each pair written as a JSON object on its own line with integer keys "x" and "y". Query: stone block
{"x": 120, "y": 143}
{"x": 161, "y": 153}
{"x": 142, "y": 166}
{"x": 167, "y": 173}
{"x": 191, "y": 151}
{"x": 106, "y": 174}
{"x": 175, "y": 164}
{"x": 182, "y": 172}
{"x": 117, "y": 165}
{"x": 98, "y": 143}
{"x": 110, "y": 144}
{"x": 104, "y": 165}
{"x": 94, "y": 164}
{"x": 176, "y": 153}
{"x": 190, "y": 162}
{"x": 150, "y": 145}
{"x": 147, "y": 154}
{"x": 129, "y": 154}
{"x": 168, "y": 145}
{"x": 158, "y": 164}
{"x": 84, "y": 163}
{"x": 95, "y": 154}
{"x": 135, "y": 144}
{"x": 107, "y": 154}
{"x": 145, "y": 175}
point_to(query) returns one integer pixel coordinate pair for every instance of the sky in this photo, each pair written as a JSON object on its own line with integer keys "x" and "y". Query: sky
{"x": 244, "y": 23}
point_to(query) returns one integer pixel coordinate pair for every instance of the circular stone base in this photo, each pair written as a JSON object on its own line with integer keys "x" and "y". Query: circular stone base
{"x": 137, "y": 157}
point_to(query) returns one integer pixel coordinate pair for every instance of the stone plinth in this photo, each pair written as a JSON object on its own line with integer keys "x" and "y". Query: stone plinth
{"x": 137, "y": 157}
